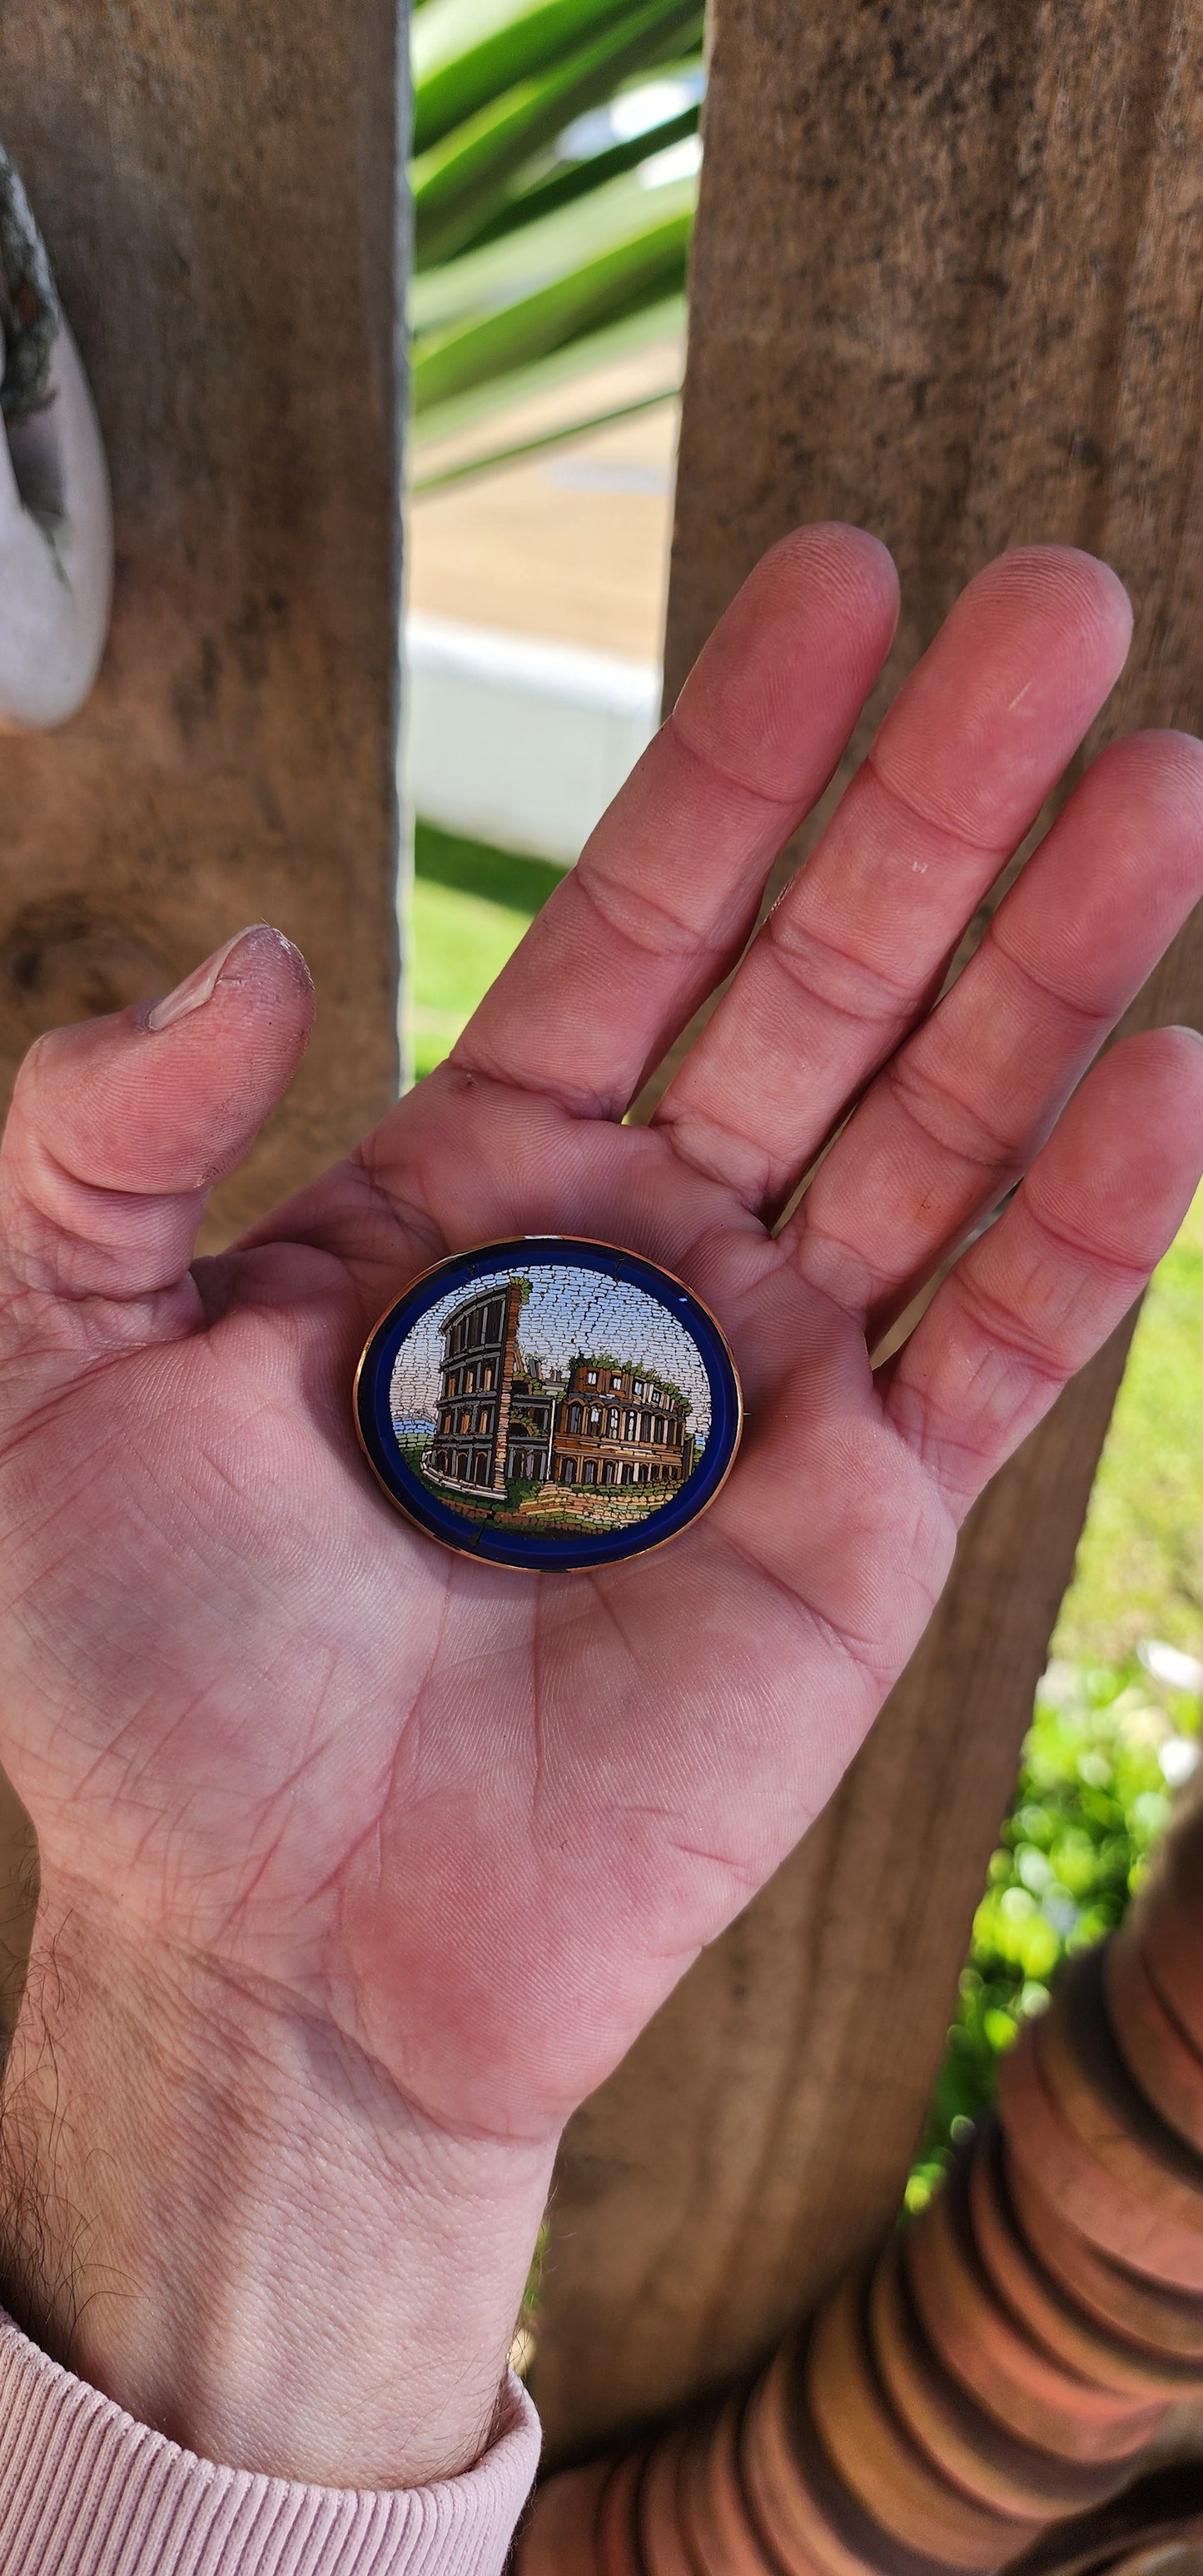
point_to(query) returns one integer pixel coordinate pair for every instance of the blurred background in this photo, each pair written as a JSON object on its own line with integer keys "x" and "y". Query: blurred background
{"x": 556, "y": 157}
{"x": 557, "y": 146}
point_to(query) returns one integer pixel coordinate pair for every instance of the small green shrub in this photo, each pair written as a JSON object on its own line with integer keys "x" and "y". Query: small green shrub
{"x": 1092, "y": 1799}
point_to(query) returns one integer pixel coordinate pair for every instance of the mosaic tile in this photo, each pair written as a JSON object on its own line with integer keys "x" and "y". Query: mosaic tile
{"x": 549, "y": 1403}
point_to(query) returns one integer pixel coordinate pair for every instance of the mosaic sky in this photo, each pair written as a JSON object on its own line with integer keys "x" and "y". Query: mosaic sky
{"x": 569, "y": 1310}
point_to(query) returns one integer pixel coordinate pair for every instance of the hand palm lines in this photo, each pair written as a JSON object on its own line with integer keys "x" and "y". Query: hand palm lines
{"x": 433, "y": 1778}
{"x": 602, "y": 1697}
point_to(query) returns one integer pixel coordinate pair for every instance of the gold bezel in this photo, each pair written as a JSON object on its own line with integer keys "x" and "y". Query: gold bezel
{"x": 596, "y": 1243}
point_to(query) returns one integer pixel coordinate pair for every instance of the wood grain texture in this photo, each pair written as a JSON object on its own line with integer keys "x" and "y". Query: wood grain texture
{"x": 217, "y": 187}
{"x": 946, "y": 283}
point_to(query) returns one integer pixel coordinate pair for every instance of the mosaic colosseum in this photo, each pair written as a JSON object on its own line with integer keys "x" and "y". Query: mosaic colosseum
{"x": 502, "y": 1418}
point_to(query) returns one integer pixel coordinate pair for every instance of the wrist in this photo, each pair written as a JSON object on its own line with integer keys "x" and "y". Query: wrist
{"x": 221, "y": 2213}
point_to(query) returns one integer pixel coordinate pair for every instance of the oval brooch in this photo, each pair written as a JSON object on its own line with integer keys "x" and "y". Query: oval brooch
{"x": 549, "y": 1403}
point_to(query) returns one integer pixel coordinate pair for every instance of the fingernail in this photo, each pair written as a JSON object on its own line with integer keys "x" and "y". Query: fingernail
{"x": 199, "y": 987}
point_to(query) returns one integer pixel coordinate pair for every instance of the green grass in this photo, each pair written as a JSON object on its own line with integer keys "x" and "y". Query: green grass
{"x": 1140, "y": 1565}
{"x": 470, "y": 907}
{"x": 1092, "y": 1797}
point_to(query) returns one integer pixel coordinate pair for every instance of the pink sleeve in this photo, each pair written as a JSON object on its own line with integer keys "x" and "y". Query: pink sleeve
{"x": 85, "y": 2491}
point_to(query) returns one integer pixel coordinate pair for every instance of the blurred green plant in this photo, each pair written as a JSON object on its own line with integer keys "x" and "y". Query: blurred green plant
{"x": 554, "y": 181}
{"x": 469, "y": 907}
{"x": 1106, "y": 1747}
{"x": 1140, "y": 1565}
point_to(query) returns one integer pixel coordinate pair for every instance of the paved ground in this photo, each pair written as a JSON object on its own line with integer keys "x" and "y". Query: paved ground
{"x": 571, "y": 545}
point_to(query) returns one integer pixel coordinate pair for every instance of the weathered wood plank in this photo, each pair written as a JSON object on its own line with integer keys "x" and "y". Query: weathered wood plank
{"x": 947, "y": 284}
{"x": 217, "y": 187}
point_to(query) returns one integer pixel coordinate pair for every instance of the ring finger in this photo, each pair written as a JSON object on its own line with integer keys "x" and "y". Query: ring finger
{"x": 958, "y": 1114}
{"x": 849, "y": 956}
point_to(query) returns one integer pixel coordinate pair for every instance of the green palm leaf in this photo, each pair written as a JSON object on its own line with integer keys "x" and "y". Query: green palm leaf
{"x": 540, "y": 257}
{"x": 466, "y": 53}
{"x": 463, "y": 179}
{"x": 496, "y": 273}
{"x": 460, "y": 430}
{"x": 640, "y": 270}
{"x": 562, "y": 185}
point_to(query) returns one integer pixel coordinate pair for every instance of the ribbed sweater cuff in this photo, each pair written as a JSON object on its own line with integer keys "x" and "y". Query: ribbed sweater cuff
{"x": 86, "y": 2491}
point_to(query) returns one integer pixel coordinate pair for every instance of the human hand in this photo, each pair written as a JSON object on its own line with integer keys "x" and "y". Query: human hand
{"x": 363, "y": 1863}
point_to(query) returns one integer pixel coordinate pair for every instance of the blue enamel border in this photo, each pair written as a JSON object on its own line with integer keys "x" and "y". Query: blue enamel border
{"x": 567, "y": 1554}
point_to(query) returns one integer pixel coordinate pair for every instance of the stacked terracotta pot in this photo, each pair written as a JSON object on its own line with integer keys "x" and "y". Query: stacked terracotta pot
{"x": 1007, "y": 2359}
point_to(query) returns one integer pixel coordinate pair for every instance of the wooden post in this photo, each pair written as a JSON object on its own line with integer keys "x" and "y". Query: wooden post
{"x": 217, "y": 186}
{"x": 218, "y": 190}
{"x": 946, "y": 284}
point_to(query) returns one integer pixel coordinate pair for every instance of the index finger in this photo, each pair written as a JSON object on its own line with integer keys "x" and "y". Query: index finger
{"x": 666, "y": 891}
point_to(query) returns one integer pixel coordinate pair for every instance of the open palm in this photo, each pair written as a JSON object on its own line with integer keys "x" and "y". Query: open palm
{"x": 480, "y": 1821}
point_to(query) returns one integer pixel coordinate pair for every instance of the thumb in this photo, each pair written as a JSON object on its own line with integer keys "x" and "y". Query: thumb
{"x": 119, "y": 1126}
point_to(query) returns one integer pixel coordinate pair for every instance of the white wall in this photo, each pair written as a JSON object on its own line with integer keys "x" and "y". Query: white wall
{"x": 518, "y": 742}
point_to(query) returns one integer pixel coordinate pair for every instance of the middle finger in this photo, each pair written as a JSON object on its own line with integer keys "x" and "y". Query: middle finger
{"x": 849, "y": 957}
